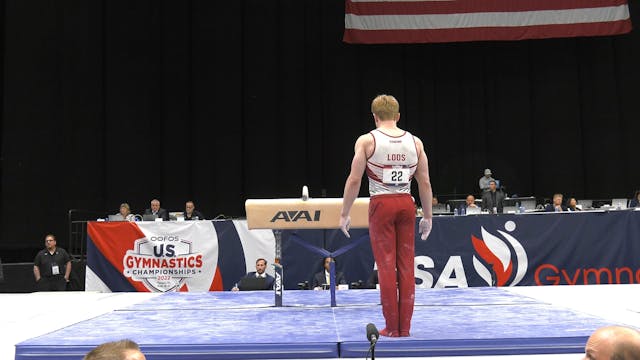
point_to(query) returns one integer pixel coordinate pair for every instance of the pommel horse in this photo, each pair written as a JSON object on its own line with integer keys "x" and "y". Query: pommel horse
{"x": 301, "y": 213}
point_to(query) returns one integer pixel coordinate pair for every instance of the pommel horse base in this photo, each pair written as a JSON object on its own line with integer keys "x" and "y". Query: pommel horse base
{"x": 296, "y": 213}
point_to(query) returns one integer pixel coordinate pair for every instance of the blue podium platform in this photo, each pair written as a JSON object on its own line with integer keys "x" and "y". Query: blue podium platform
{"x": 246, "y": 325}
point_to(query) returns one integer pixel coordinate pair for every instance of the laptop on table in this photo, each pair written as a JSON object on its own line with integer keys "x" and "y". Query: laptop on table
{"x": 149, "y": 217}
{"x": 252, "y": 283}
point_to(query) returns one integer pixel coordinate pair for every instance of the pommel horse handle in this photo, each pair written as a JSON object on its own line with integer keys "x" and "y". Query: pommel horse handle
{"x": 323, "y": 213}
{"x": 279, "y": 214}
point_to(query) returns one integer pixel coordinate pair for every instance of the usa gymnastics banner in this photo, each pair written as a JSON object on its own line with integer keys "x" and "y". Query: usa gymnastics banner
{"x": 570, "y": 248}
{"x": 172, "y": 256}
{"x": 582, "y": 248}
{"x": 579, "y": 248}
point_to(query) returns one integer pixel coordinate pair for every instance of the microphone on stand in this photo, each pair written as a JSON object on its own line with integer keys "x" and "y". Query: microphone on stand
{"x": 372, "y": 333}
{"x": 372, "y": 336}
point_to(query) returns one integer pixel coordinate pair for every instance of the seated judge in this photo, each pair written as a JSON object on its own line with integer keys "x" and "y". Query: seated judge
{"x": 470, "y": 202}
{"x": 557, "y": 205}
{"x": 190, "y": 212}
{"x": 572, "y": 205}
{"x": 261, "y": 267}
{"x": 493, "y": 199}
{"x": 157, "y": 210}
{"x": 635, "y": 202}
{"x": 321, "y": 280}
{"x": 125, "y": 213}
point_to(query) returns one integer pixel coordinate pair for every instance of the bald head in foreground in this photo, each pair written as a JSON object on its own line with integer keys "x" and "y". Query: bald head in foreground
{"x": 613, "y": 343}
{"x": 116, "y": 350}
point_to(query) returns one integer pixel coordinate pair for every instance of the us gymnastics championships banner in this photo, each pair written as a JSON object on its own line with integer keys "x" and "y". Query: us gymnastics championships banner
{"x": 172, "y": 256}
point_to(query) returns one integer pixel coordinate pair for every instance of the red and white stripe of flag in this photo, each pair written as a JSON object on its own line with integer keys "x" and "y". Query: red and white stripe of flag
{"x": 426, "y": 21}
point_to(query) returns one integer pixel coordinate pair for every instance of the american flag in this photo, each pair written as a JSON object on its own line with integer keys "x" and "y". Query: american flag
{"x": 427, "y": 21}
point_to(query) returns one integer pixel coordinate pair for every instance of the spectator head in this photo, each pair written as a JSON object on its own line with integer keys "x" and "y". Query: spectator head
{"x": 557, "y": 199}
{"x": 125, "y": 209}
{"x": 50, "y": 241}
{"x": 327, "y": 262}
{"x": 261, "y": 266}
{"x": 471, "y": 199}
{"x": 189, "y": 206}
{"x": 116, "y": 350}
{"x": 613, "y": 343}
{"x": 155, "y": 205}
{"x": 492, "y": 185}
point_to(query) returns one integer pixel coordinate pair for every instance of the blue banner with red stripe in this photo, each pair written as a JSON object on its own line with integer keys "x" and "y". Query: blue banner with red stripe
{"x": 474, "y": 250}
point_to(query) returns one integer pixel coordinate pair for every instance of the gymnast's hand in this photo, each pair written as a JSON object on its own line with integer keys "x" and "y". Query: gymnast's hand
{"x": 424, "y": 228}
{"x": 345, "y": 223}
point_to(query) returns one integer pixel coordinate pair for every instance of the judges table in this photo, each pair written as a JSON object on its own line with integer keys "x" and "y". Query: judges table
{"x": 473, "y": 250}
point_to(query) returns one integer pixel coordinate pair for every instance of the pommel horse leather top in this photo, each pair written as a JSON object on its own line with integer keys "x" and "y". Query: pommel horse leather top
{"x": 322, "y": 213}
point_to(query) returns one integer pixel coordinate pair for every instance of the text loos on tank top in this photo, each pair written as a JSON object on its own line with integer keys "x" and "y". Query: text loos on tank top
{"x": 391, "y": 166}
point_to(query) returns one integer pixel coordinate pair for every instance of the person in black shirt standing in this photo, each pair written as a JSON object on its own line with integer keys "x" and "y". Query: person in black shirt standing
{"x": 493, "y": 200}
{"x": 51, "y": 267}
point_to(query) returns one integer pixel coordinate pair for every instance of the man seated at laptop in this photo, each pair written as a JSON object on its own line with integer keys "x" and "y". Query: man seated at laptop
{"x": 470, "y": 202}
{"x": 190, "y": 212}
{"x": 321, "y": 280}
{"x": 124, "y": 214}
{"x": 470, "y": 205}
{"x": 157, "y": 210}
{"x": 248, "y": 283}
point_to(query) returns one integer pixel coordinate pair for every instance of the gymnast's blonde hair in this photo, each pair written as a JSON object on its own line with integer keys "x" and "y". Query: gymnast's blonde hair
{"x": 386, "y": 107}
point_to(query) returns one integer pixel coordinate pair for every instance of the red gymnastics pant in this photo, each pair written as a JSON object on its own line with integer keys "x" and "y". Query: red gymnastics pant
{"x": 391, "y": 229}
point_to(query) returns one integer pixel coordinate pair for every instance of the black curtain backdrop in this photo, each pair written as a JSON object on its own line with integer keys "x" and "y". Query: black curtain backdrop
{"x": 122, "y": 101}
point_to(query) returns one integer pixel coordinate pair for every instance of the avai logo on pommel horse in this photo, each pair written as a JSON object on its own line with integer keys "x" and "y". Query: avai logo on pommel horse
{"x": 300, "y": 213}
{"x": 296, "y": 215}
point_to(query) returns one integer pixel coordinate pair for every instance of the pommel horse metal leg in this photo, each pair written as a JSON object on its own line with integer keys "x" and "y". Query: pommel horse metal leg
{"x": 332, "y": 284}
{"x": 279, "y": 283}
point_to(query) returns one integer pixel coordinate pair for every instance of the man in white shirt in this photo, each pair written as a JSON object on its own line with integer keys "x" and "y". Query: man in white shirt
{"x": 484, "y": 181}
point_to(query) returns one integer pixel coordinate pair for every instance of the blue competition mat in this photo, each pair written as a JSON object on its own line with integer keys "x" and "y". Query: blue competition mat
{"x": 245, "y": 325}
{"x": 309, "y": 298}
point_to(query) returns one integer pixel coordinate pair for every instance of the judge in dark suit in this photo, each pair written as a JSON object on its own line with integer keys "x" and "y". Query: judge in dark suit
{"x": 493, "y": 200}
{"x": 635, "y": 202}
{"x": 261, "y": 267}
{"x": 557, "y": 205}
{"x": 157, "y": 210}
{"x": 321, "y": 279}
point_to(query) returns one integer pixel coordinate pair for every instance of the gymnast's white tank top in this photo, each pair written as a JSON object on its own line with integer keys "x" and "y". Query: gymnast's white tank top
{"x": 392, "y": 164}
